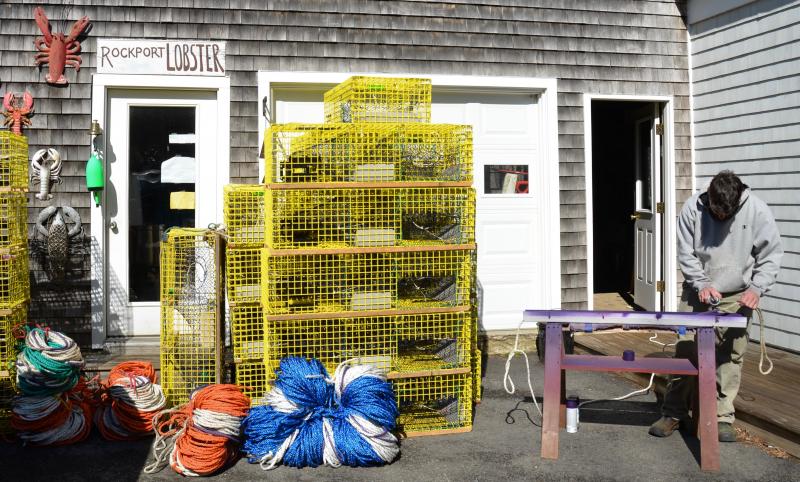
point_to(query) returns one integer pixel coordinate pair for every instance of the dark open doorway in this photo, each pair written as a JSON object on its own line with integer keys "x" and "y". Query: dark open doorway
{"x": 614, "y": 187}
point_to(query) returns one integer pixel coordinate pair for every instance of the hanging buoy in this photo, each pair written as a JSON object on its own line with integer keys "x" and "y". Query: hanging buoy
{"x": 131, "y": 401}
{"x": 200, "y": 437}
{"x": 310, "y": 419}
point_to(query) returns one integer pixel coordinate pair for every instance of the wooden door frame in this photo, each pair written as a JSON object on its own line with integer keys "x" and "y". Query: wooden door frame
{"x": 101, "y": 84}
{"x": 668, "y": 252}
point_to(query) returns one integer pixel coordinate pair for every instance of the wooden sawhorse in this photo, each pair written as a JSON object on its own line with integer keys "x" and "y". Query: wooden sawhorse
{"x": 557, "y": 363}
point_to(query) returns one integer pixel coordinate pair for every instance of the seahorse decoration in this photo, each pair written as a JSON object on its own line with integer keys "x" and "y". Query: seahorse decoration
{"x": 46, "y": 169}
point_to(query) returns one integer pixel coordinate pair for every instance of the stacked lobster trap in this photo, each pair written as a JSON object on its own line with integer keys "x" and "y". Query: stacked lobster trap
{"x": 14, "y": 280}
{"x": 192, "y": 312}
{"x": 244, "y": 218}
{"x": 367, "y": 247}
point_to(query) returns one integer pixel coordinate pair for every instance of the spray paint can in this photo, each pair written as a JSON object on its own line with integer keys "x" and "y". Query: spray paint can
{"x": 572, "y": 415}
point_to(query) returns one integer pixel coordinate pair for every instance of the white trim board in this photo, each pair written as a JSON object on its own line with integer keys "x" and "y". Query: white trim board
{"x": 548, "y": 123}
{"x": 669, "y": 248}
{"x": 101, "y": 83}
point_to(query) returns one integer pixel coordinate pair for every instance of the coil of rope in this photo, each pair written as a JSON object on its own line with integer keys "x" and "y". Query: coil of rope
{"x": 131, "y": 400}
{"x": 49, "y": 363}
{"x": 53, "y": 419}
{"x": 200, "y": 437}
{"x": 310, "y": 419}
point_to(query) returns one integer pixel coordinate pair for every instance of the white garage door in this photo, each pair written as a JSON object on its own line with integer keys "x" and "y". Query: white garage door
{"x": 508, "y": 181}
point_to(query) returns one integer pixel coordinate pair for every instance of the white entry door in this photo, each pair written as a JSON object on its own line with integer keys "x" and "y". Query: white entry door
{"x": 647, "y": 225}
{"x": 161, "y": 158}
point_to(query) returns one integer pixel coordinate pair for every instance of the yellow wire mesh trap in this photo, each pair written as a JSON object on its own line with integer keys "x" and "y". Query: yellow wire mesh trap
{"x": 379, "y": 99}
{"x": 332, "y": 218}
{"x": 9, "y": 319}
{"x": 368, "y": 153}
{"x": 190, "y": 314}
{"x": 331, "y": 283}
{"x": 243, "y": 275}
{"x": 252, "y": 377}
{"x": 243, "y": 214}
{"x": 434, "y": 403}
{"x": 247, "y": 333}
{"x": 397, "y": 344}
{"x": 13, "y": 162}
{"x": 13, "y": 219}
{"x": 7, "y": 393}
{"x": 477, "y": 369}
{"x": 14, "y": 280}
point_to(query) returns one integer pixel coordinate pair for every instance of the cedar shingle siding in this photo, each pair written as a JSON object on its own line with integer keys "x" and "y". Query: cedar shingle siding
{"x": 590, "y": 46}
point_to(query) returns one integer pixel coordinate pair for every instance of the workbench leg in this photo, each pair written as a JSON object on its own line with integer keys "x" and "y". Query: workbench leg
{"x": 554, "y": 346}
{"x": 707, "y": 394}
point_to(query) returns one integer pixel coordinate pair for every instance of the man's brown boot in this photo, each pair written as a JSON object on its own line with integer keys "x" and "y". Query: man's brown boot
{"x": 664, "y": 426}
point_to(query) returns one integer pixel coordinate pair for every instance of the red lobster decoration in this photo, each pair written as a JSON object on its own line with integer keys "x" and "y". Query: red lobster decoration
{"x": 17, "y": 112}
{"x": 55, "y": 49}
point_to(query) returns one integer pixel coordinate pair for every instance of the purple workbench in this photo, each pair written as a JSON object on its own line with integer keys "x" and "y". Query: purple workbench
{"x": 557, "y": 363}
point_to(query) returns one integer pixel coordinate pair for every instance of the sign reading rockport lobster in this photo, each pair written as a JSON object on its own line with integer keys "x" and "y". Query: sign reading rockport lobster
{"x": 57, "y": 50}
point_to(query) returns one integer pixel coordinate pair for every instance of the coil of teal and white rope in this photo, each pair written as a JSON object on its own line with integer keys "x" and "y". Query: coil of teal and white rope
{"x": 49, "y": 363}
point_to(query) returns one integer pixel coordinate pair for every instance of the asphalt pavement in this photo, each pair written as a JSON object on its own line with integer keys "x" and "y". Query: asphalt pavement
{"x": 611, "y": 444}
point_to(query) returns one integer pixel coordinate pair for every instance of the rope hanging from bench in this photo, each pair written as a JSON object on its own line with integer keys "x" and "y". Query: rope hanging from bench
{"x": 310, "y": 419}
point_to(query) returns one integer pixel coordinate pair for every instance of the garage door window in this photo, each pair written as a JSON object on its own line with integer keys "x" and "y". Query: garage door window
{"x": 505, "y": 179}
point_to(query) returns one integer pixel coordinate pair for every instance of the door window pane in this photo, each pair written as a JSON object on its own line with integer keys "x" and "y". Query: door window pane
{"x": 505, "y": 179}
{"x": 644, "y": 169}
{"x": 161, "y": 185}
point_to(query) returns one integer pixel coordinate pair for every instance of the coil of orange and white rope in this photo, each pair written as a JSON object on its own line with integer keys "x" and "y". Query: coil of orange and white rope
{"x": 200, "y": 437}
{"x": 131, "y": 400}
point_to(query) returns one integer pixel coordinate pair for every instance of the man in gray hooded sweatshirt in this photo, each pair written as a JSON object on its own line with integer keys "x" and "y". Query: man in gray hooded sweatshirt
{"x": 729, "y": 252}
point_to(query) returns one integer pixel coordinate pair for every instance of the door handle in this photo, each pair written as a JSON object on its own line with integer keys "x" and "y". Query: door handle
{"x": 112, "y": 226}
{"x": 635, "y": 216}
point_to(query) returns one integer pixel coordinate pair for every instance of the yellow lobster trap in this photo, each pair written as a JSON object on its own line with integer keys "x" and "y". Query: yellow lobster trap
{"x": 10, "y": 319}
{"x": 379, "y": 99}
{"x": 14, "y": 279}
{"x": 351, "y": 282}
{"x": 247, "y": 333}
{"x": 243, "y": 214}
{"x": 400, "y": 345}
{"x": 191, "y": 312}
{"x": 439, "y": 403}
{"x": 253, "y": 378}
{"x": 363, "y": 217}
{"x": 7, "y": 393}
{"x": 243, "y": 275}
{"x": 296, "y": 153}
{"x": 13, "y": 219}
{"x": 13, "y": 162}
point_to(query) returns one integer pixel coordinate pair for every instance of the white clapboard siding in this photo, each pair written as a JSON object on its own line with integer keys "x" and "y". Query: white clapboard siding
{"x": 756, "y": 120}
{"x": 746, "y": 101}
{"x": 747, "y": 47}
{"x": 736, "y": 104}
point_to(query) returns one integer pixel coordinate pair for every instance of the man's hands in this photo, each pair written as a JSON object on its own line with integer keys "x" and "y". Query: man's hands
{"x": 707, "y": 293}
{"x": 749, "y": 299}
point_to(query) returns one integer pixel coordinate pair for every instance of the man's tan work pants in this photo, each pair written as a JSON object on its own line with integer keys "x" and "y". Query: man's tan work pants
{"x": 731, "y": 343}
